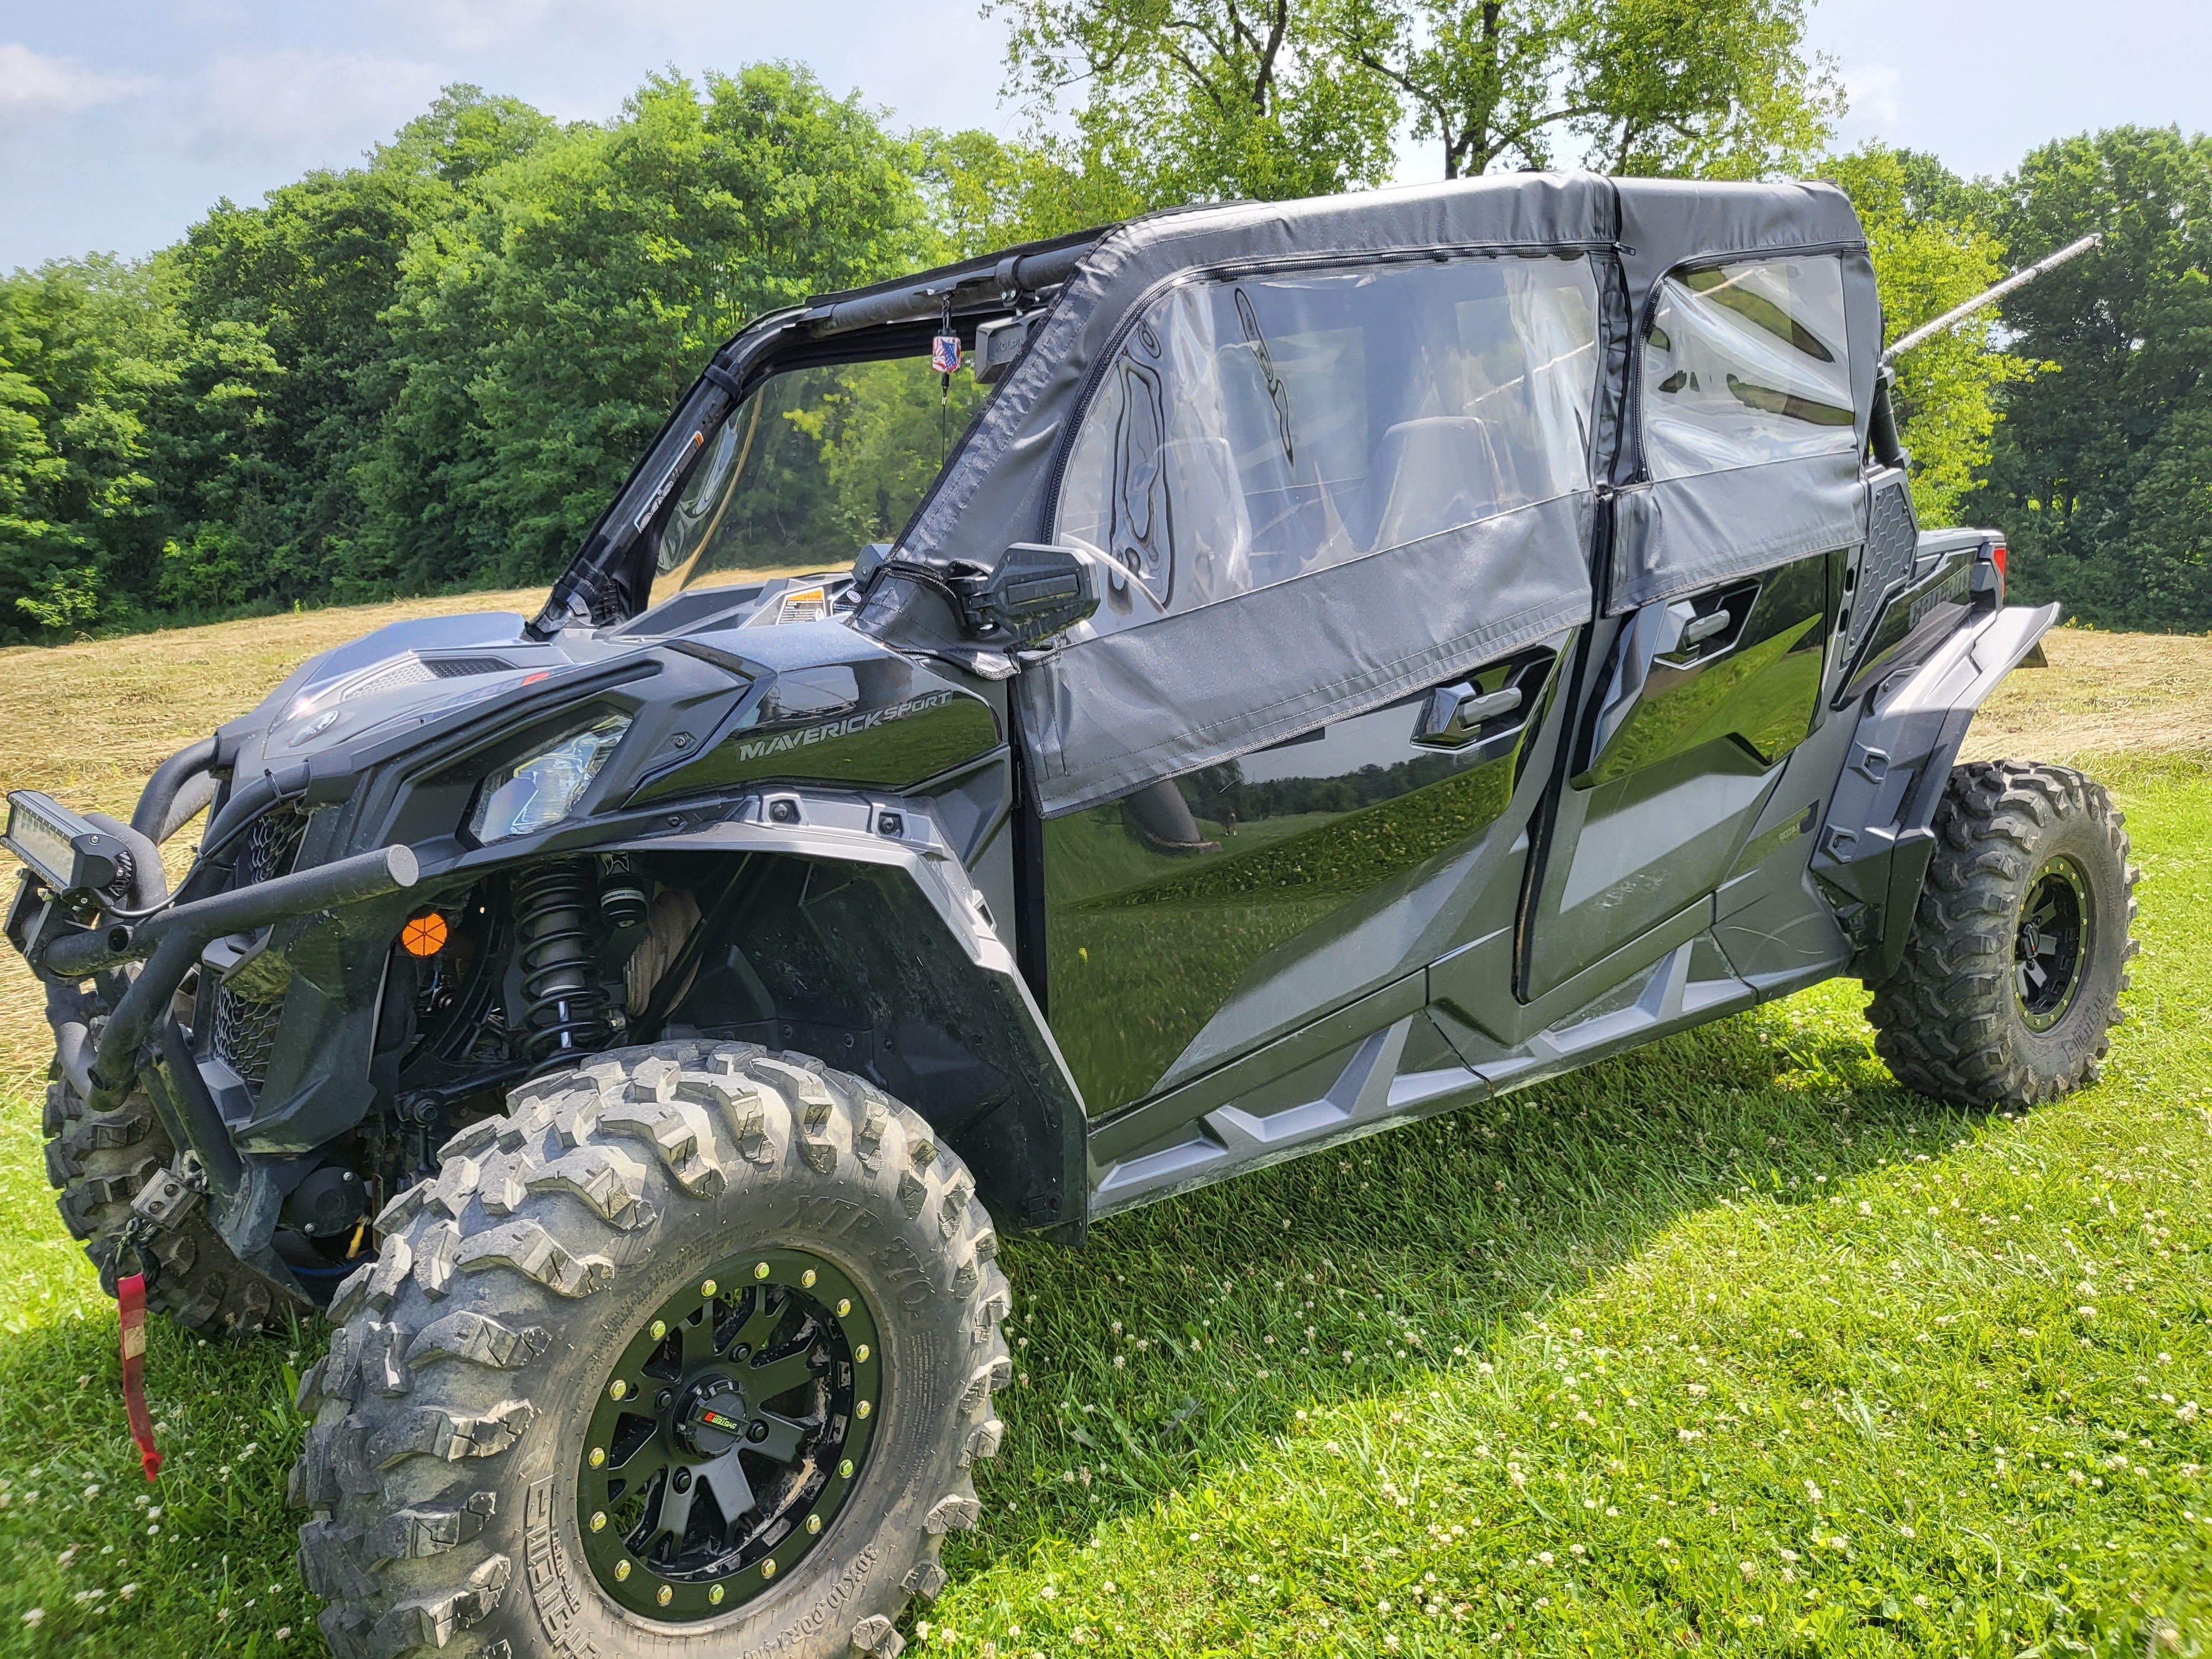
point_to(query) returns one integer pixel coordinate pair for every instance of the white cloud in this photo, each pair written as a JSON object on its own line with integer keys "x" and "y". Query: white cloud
{"x": 1875, "y": 93}
{"x": 307, "y": 102}
{"x": 31, "y": 83}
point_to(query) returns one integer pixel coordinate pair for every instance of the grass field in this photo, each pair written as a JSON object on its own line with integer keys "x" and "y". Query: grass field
{"x": 1729, "y": 1345}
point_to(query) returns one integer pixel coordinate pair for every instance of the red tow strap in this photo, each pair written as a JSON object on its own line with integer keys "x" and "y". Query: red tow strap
{"x": 130, "y": 1303}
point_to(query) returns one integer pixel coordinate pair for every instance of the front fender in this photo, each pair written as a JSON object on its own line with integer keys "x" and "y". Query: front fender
{"x": 1873, "y": 852}
{"x": 885, "y": 924}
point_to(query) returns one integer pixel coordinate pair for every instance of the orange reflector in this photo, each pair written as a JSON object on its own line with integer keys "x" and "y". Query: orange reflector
{"x": 424, "y": 935}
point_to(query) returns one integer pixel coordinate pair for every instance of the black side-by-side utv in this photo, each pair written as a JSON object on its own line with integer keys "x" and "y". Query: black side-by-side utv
{"x": 1347, "y": 659}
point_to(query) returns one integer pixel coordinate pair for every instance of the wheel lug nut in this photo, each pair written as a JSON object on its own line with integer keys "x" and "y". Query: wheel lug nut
{"x": 621, "y": 1570}
{"x": 760, "y": 1270}
{"x": 663, "y": 1594}
{"x": 618, "y": 1388}
{"x": 814, "y": 1523}
{"x": 845, "y": 1470}
{"x": 707, "y": 1289}
{"x": 806, "y": 1279}
{"x": 598, "y": 1456}
{"x": 743, "y": 1352}
{"x": 757, "y": 1433}
{"x": 659, "y": 1329}
{"x": 684, "y": 1480}
{"x": 715, "y": 1596}
{"x": 598, "y": 1519}
{"x": 667, "y": 1398}
{"x": 767, "y": 1568}
{"x": 862, "y": 1409}
{"x": 860, "y": 1354}
{"x": 844, "y": 1306}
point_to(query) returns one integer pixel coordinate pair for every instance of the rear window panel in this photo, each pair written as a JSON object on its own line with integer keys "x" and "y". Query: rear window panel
{"x": 1249, "y": 432}
{"x": 1745, "y": 364}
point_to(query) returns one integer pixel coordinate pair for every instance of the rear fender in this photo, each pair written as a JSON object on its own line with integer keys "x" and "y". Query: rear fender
{"x": 863, "y": 940}
{"x": 1873, "y": 851}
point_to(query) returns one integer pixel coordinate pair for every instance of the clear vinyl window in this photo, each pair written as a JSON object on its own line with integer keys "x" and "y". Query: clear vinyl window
{"x": 1747, "y": 364}
{"x": 1249, "y": 432}
{"x": 814, "y": 464}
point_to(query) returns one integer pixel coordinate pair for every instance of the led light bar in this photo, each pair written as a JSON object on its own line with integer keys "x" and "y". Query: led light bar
{"x": 67, "y": 853}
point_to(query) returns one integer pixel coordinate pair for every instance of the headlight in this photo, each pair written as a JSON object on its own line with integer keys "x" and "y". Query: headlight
{"x": 537, "y": 791}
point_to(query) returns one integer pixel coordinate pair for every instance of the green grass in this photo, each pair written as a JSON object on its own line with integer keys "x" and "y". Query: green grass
{"x": 1730, "y": 1344}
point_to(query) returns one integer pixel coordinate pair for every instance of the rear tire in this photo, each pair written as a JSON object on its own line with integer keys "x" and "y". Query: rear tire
{"x": 97, "y": 1161}
{"x": 465, "y": 1439}
{"x": 2011, "y": 977}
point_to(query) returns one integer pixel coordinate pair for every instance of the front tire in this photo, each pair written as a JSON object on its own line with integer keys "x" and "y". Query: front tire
{"x": 552, "y": 1361}
{"x": 97, "y": 1161}
{"x": 2011, "y": 978}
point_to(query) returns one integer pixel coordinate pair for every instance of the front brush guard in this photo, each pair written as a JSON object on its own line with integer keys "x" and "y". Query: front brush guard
{"x": 168, "y": 944}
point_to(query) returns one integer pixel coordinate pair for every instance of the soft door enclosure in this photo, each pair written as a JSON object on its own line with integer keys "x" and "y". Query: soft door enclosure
{"x": 1316, "y": 491}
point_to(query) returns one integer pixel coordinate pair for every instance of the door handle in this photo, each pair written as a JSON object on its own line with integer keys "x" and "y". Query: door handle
{"x": 1454, "y": 715}
{"x": 1701, "y": 629}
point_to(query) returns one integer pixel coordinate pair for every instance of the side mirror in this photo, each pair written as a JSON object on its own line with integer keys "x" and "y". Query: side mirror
{"x": 1034, "y": 592}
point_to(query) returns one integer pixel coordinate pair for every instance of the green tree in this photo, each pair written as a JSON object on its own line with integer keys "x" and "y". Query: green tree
{"x": 1192, "y": 100}
{"x": 311, "y": 273}
{"x": 1933, "y": 249}
{"x": 541, "y": 341}
{"x": 1204, "y": 99}
{"x": 980, "y": 191}
{"x": 1711, "y": 89}
{"x": 2099, "y": 465}
{"x": 106, "y": 405}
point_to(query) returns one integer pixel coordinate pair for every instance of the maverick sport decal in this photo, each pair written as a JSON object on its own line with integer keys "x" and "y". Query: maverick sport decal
{"x": 759, "y": 745}
{"x": 892, "y": 747}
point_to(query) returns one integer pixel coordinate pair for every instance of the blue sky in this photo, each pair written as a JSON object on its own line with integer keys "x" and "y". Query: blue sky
{"x": 122, "y": 120}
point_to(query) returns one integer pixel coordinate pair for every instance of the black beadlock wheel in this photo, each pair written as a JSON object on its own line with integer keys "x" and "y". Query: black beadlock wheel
{"x": 2010, "y": 980}
{"x": 97, "y": 1161}
{"x": 690, "y": 1354}
{"x": 729, "y": 1434}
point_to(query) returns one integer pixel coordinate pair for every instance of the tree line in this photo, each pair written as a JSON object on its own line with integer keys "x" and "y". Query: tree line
{"x": 429, "y": 370}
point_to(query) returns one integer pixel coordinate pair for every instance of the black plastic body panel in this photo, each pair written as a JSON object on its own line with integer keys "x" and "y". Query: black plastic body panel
{"x": 1166, "y": 907}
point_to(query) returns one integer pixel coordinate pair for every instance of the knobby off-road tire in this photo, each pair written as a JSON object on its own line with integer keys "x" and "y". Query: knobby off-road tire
{"x": 1990, "y": 1006}
{"x": 467, "y": 1382}
{"x": 98, "y": 1162}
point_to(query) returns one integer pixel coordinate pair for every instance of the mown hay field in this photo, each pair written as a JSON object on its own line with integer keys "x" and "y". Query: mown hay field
{"x": 1730, "y": 1345}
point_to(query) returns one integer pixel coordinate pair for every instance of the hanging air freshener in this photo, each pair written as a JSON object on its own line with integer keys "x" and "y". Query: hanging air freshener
{"x": 944, "y": 358}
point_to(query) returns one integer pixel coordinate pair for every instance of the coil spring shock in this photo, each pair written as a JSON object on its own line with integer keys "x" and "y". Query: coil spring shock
{"x": 564, "y": 1010}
